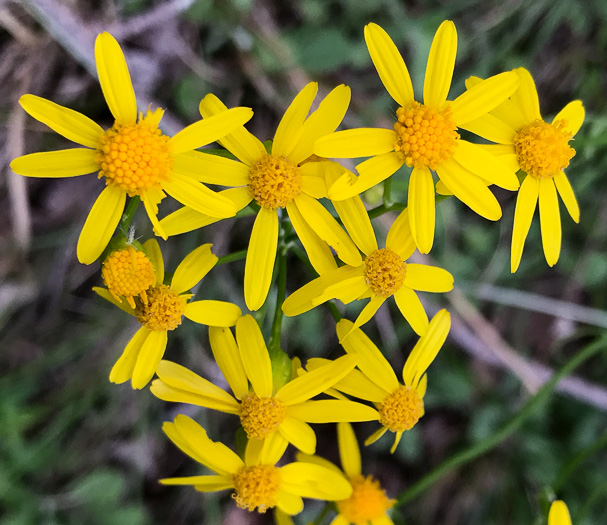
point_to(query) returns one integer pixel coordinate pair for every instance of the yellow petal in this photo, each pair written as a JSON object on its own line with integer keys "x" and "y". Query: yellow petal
{"x": 389, "y": 63}
{"x": 272, "y": 449}
{"x": 124, "y": 306}
{"x": 358, "y": 385}
{"x": 254, "y": 355}
{"x": 441, "y": 62}
{"x": 333, "y": 411}
{"x": 397, "y": 439}
{"x": 287, "y": 505}
{"x": 375, "y": 436}
{"x": 550, "y": 221}
{"x": 412, "y": 309}
{"x": 526, "y": 202}
{"x": 202, "y": 483}
{"x": 321, "y": 122}
{"x": 355, "y": 219}
{"x": 209, "y": 130}
{"x": 149, "y": 356}
{"x": 426, "y": 349}
{"x": 316, "y": 382}
{"x": 327, "y": 228}
{"x": 53, "y": 164}
{"x": 470, "y": 189}
{"x": 349, "y": 285}
{"x": 211, "y": 169}
{"x": 67, "y": 122}
{"x": 100, "y": 224}
{"x": 525, "y": 97}
{"x": 227, "y": 356}
{"x": 320, "y": 255}
{"x": 400, "y": 239}
{"x": 491, "y": 128}
{"x": 566, "y": 192}
{"x": 367, "y": 313}
{"x": 422, "y": 211}
{"x": 349, "y": 451}
{"x": 197, "y": 196}
{"x": 115, "y": 79}
{"x": 180, "y": 385}
{"x": 573, "y": 113}
{"x": 485, "y": 165}
{"x": 314, "y": 481}
{"x": 193, "y": 268}
{"x": 192, "y": 439}
{"x": 313, "y": 186}
{"x": 260, "y": 260}
{"x": 213, "y": 313}
{"x": 372, "y": 172}
{"x": 372, "y": 363}
{"x": 310, "y": 458}
{"x": 483, "y": 97}
{"x": 122, "y": 370}
{"x": 422, "y": 386}
{"x": 245, "y": 146}
{"x": 354, "y": 143}
{"x": 559, "y": 514}
{"x": 152, "y": 249}
{"x": 299, "y": 434}
{"x": 428, "y": 278}
{"x": 151, "y": 198}
{"x": 290, "y": 128}
{"x": 186, "y": 219}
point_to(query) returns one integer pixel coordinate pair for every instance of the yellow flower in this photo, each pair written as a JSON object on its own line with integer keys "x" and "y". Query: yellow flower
{"x": 276, "y": 180}
{"x": 368, "y": 503}
{"x": 425, "y": 136}
{"x": 160, "y": 310}
{"x": 257, "y": 482}
{"x": 264, "y": 409}
{"x": 133, "y": 155}
{"x": 559, "y": 514}
{"x": 383, "y": 273}
{"x": 400, "y": 406}
{"x": 542, "y": 151}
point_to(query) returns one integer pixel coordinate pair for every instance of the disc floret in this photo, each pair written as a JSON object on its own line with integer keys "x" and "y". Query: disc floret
{"x": 162, "y": 311}
{"x": 256, "y": 487}
{"x": 274, "y": 181}
{"x": 368, "y": 501}
{"x": 385, "y": 272}
{"x": 426, "y": 137}
{"x": 260, "y": 416}
{"x": 402, "y": 409}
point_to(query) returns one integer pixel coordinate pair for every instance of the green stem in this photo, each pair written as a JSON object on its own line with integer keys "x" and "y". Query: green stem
{"x": 532, "y": 405}
{"x": 274, "y": 342}
{"x": 323, "y": 514}
{"x": 127, "y": 216}
{"x": 577, "y": 460}
{"x": 231, "y": 257}
{"x": 382, "y": 208}
{"x": 598, "y": 494}
{"x": 388, "y": 192}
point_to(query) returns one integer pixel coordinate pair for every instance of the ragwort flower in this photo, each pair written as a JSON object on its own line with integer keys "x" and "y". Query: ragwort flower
{"x": 264, "y": 409}
{"x": 400, "y": 406}
{"x": 368, "y": 504}
{"x": 383, "y": 273}
{"x": 559, "y": 514}
{"x": 160, "y": 310}
{"x": 134, "y": 156}
{"x": 281, "y": 179}
{"x": 542, "y": 151}
{"x": 257, "y": 482}
{"x": 425, "y": 136}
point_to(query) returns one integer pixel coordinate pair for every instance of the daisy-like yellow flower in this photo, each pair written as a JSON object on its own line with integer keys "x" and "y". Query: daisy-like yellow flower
{"x": 559, "y": 514}
{"x": 134, "y": 156}
{"x": 281, "y": 179}
{"x": 160, "y": 310}
{"x": 368, "y": 504}
{"x": 400, "y": 406}
{"x": 542, "y": 151}
{"x": 425, "y": 136}
{"x": 257, "y": 482}
{"x": 264, "y": 410}
{"x": 383, "y": 273}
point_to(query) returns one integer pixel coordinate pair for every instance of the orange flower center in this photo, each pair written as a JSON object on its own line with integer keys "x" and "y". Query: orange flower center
{"x": 425, "y": 137}
{"x": 274, "y": 181}
{"x": 128, "y": 273}
{"x": 368, "y": 501}
{"x": 161, "y": 311}
{"x": 256, "y": 487}
{"x": 402, "y": 409}
{"x": 385, "y": 272}
{"x": 543, "y": 149}
{"x": 260, "y": 416}
{"x": 136, "y": 156}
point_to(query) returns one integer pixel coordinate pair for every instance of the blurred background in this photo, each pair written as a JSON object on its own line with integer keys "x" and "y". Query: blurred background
{"x": 75, "y": 449}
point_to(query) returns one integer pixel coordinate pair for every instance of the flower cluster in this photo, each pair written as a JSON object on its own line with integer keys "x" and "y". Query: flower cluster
{"x": 287, "y": 184}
